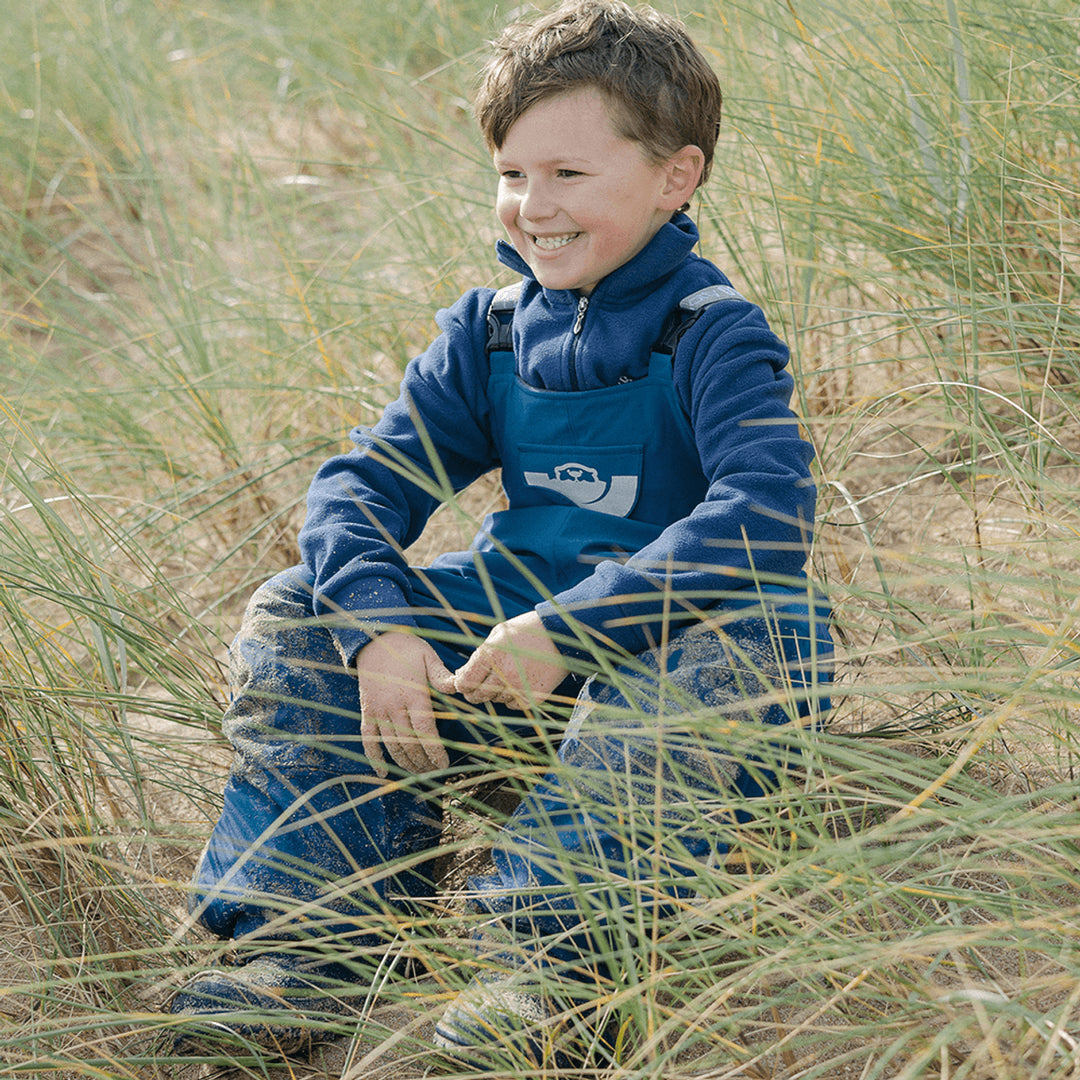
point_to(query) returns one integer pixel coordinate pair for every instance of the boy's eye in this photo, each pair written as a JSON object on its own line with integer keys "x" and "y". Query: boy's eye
{"x": 566, "y": 173}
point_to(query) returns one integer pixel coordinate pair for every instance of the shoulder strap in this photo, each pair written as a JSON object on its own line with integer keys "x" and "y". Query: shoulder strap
{"x": 500, "y": 319}
{"x": 688, "y": 312}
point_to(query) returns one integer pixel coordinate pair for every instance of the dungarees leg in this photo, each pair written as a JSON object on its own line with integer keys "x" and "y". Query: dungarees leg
{"x": 304, "y": 853}
{"x": 640, "y": 808}
{"x": 303, "y": 811}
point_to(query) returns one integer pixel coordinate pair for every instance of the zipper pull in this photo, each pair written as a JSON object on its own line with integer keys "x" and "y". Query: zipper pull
{"x": 582, "y": 307}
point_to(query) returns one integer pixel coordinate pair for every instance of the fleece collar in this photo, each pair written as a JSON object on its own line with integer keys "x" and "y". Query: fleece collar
{"x": 610, "y": 343}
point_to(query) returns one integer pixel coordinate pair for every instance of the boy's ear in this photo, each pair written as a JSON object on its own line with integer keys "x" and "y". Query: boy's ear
{"x": 684, "y": 169}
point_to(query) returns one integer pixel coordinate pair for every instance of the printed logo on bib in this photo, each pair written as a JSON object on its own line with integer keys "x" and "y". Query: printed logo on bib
{"x": 603, "y": 480}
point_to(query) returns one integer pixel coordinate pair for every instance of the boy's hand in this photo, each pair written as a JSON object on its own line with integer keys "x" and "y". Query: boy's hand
{"x": 517, "y": 665}
{"x": 396, "y": 673}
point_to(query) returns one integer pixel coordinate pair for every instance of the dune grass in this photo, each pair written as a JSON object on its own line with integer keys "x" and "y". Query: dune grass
{"x": 224, "y": 230}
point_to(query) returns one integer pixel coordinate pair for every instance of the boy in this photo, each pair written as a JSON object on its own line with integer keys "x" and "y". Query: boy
{"x": 659, "y": 511}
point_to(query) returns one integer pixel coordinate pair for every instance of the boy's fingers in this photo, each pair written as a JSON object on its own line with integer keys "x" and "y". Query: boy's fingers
{"x": 478, "y": 690}
{"x": 381, "y": 727}
{"x": 400, "y": 741}
{"x": 503, "y": 692}
{"x": 411, "y": 737}
{"x": 469, "y": 676}
{"x": 442, "y": 678}
{"x": 403, "y": 754}
{"x": 429, "y": 744}
{"x": 426, "y": 747}
{"x": 496, "y": 687}
{"x": 481, "y": 678}
{"x": 372, "y": 742}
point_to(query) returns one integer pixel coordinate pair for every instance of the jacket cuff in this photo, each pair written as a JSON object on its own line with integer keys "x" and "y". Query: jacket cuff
{"x": 356, "y": 615}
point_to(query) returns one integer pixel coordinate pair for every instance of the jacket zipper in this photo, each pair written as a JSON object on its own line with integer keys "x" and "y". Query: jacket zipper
{"x": 575, "y": 334}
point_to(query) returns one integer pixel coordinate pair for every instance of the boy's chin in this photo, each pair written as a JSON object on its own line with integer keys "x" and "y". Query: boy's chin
{"x": 562, "y": 282}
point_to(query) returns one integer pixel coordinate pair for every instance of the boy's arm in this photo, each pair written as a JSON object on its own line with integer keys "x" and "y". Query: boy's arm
{"x": 754, "y": 525}
{"x": 366, "y": 506}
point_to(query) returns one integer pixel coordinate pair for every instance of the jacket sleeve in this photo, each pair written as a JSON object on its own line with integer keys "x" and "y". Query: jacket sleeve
{"x": 755, "y": 523}
{"x": 366, "y": 506}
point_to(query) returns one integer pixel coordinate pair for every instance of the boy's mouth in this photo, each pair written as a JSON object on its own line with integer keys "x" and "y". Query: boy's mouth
{"x": 553, "y": 243}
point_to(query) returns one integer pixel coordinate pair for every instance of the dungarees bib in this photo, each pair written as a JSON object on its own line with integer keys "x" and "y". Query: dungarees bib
{"x": 589, "y": 475}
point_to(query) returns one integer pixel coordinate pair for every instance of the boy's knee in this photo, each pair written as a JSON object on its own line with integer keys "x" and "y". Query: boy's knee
{"x": 287, "y": 595}
{"x": 281, "y": 642}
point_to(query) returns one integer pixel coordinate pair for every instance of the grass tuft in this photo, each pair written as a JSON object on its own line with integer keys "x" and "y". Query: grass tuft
{"x": 223, "y": 231}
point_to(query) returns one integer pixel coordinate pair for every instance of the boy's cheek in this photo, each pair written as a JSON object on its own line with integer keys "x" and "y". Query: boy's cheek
{"x": 506, "y": 210}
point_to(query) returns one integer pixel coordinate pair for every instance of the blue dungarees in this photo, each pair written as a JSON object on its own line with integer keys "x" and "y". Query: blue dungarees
{"x": 310, "y": 841}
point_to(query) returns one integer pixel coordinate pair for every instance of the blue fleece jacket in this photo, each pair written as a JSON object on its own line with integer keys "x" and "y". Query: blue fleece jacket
{"x": 730, "y": 377}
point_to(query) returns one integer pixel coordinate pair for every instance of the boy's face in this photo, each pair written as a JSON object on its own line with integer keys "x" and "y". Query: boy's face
{"x": 576, "y": 198}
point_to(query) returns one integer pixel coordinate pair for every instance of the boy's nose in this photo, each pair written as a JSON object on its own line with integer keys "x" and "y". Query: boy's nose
{"x": 537, "y": 203}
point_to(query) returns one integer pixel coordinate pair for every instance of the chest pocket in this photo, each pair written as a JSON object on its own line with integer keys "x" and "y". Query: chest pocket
{"x": 605, "y": 479}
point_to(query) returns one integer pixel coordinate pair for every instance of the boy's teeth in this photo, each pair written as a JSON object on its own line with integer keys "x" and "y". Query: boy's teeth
{"x": 550, "y": 243}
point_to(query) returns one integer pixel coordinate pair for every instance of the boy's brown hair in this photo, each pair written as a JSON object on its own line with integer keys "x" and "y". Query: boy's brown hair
{"x": 662, "y": 92}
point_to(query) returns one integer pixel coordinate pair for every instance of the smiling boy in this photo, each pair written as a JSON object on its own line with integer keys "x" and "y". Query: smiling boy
{"x": 648, "y": 564}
